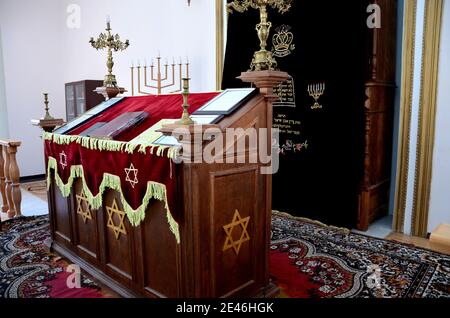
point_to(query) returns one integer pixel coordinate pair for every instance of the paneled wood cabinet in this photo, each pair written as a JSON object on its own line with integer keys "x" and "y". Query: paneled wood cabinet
{"x": 80, "y": 97}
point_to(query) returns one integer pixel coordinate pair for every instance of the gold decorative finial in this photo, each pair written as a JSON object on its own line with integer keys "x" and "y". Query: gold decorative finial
{"x": 186, "y": 118}
{"x": 47, "y": 114}
{"x": 263, "y": 59}
{"x": 109, "y": 42}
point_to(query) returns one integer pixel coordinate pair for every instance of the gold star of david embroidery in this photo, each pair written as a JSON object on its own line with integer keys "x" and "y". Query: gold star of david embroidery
{"x": 238, "y": 221}
{"x": 83, "y": 207}
{"x": 63, "y": 160}
{"x": 114, "y": 210}
{"x": 135, "y": 171}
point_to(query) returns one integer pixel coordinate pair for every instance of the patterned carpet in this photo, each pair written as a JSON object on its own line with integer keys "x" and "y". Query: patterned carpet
{"x": 27, "y": 270}
{"x": 314, "y": 261}
{"x": 307, "y": 260}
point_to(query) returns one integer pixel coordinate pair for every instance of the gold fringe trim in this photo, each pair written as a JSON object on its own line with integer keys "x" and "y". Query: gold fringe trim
{"x": 341, "y": 229}
{"x": 155, "y": 190}
{"x": 112, "y": 145}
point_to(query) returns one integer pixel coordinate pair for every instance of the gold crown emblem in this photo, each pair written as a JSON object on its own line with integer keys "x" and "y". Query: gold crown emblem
{"x": 282, "y": 41}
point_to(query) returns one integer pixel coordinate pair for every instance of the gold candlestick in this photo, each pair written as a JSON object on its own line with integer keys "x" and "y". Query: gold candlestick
{"x": 47, "y": 113}
{"x": 186, "y": 118}
{"x": 263, "y": 59}
{"x": 48, "y": 123}
{"x": 109, "y": 42}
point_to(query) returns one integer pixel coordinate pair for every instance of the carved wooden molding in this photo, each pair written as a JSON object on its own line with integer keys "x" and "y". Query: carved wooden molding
{"x": 10, "y": 178}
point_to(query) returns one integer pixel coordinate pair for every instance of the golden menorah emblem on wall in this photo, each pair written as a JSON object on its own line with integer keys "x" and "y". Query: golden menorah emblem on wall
{"x": 316, "y": 91}
{"x": 158, "y": 79}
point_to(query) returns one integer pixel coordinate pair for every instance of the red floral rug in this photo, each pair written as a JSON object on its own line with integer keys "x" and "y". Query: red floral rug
{"x": 309, "y": 260}
{"x": 28, "y": 270}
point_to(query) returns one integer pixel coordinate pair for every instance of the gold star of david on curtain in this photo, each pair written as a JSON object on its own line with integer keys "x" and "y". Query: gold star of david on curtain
{"x": 117, "y": 229}
{"x": 63, "y": 160}
{"x": 238, "y": 221}
{"x": 83, "y": 207}
{"x": 132, "y": 181}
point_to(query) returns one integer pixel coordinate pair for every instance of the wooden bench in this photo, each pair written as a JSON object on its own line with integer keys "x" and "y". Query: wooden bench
{"x": 10, "y": 179}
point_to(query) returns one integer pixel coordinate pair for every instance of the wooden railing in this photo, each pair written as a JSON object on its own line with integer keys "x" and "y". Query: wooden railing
{"x": 10, "y": 178}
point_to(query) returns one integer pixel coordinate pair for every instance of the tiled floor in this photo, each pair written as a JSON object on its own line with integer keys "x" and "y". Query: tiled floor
{"x": 380, "y": 229}
{"x": 31, "y": 205}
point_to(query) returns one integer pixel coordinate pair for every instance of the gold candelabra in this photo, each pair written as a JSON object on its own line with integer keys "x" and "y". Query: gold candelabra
{"x": 109, "y": 42}
{"x": 262, "y": 59}
{"x": 159, "y": 74}
{"x": 186, "y": 118}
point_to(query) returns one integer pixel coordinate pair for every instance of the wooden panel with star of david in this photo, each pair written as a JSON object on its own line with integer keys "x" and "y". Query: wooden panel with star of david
{"x": 235, "y": 218}
{"x": 118, "y": 238}
{"x": 85, "y": 224}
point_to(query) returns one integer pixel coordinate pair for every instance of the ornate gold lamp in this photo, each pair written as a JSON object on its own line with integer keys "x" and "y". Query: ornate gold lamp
{"x": 263, "y": 59}
{"x": 111, "y": 43}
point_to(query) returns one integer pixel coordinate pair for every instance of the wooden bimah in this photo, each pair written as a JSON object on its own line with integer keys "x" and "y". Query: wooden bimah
{"x": 146, "y": 218}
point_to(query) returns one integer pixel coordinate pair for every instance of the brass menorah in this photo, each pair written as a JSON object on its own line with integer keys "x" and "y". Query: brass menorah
{"x": 159, "y": 74}
{"x": 263, "y": 59}
{"x": 109, "y": 42}
{"x": 316, "y": 91}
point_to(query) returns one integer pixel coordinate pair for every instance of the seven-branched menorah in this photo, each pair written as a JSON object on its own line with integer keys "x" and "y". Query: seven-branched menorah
{"x": 316, "y": 91}
{"x": 159, "y": 74}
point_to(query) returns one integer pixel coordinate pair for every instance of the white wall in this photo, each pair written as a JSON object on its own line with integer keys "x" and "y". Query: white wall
{"x": 41, "y": 53}
{"x": 440, "y": 186}
{"x": 168, "y": 26}
{"x": 4, "y": 131}
{"x": 32, "y": 65}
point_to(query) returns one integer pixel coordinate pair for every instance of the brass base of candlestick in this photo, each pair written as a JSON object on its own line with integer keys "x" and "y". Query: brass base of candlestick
{"x": 263, "y": 60}
{"x": 110, "y": 81}
{"x": 185, "y": 120}
{"x": 110, "y": 92}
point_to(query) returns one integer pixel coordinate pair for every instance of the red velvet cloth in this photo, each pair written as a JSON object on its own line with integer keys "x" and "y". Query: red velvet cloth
{"x": 148, "y": 167}
{"x": 158, "y": 107}
{"x": 95, "y": 163}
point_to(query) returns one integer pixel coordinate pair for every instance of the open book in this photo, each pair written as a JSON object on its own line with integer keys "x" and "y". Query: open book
{"x": 119, "y": 125}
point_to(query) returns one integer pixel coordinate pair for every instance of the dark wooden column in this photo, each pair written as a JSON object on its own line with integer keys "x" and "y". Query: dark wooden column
{"x": 379, "y": 112}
